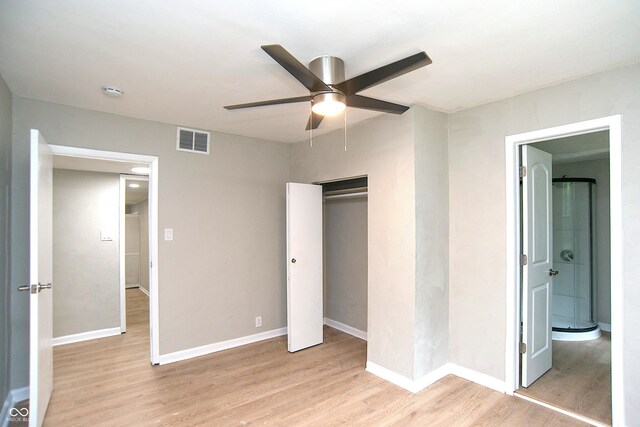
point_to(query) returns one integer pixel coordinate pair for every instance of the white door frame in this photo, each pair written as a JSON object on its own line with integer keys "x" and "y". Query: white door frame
{"x": 152, "y": 161}
{"x": 123, "y": 285}
{"x": 512, "y": 145}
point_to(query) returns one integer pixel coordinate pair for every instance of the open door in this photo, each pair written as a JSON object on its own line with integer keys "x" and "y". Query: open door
{"x": 41, "y": 271}
{"x": 304, "y": 265}
{"x": 538, "y": 268}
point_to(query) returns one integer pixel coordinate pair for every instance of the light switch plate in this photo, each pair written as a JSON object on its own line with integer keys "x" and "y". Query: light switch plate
{"x": 168, "y": 234}
{"x": 105, "y": 236}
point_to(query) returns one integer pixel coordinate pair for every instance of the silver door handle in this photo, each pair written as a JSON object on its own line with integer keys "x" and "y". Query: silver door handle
{"x": 553, "y": 272}
{"x": 35, "y": 288}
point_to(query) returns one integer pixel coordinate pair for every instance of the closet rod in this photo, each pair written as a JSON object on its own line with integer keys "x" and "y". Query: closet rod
{"x": 346, "y": 195}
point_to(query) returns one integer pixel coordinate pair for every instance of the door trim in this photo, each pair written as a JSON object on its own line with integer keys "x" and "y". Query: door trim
{"x": 152, "y": 161}
{"x": 512, "y": 144}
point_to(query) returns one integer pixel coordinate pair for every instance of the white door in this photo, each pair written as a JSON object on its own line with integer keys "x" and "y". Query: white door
{"x": 304, "y": 265}
{"x": 40, "y": 346}
{"x": 537, "y": 273}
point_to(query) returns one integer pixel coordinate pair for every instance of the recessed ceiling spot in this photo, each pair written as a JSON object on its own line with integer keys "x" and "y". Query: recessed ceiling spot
{"x": 112, "y": 91}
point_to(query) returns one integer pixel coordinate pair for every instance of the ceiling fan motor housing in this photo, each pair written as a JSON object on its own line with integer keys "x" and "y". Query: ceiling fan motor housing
{"x": 329, "y": 68}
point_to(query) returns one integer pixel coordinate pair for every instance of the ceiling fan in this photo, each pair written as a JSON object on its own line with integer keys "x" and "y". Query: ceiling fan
{"x": 329, "y": 92}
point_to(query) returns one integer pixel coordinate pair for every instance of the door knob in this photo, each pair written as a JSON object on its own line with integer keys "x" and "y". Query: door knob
{"x": 293, "y": 260}
{"x": 35, "y": 288}
{"x": 553, "y": 272}
{"x": 46, "y": 286}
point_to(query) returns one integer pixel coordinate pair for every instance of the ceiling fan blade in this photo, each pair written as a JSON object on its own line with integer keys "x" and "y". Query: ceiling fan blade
{"x": 295, "y": 67}
{"x": 314, "y": 119}
{"x": 359, "y": 101}
{"x": 270, "y": 102}
{"x": 382, "y": 74}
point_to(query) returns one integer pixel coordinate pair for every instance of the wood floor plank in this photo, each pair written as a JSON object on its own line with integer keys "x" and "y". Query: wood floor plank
{"x": 109, "y": 382}
{"x": 579, "y": 380}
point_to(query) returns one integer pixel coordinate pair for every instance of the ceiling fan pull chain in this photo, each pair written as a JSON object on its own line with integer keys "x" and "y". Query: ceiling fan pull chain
{"x": 311, "y": 137}
{"x": 345, "y": 129}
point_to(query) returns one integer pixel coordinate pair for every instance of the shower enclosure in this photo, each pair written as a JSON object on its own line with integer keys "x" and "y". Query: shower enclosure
{"x": 574, "y": 288}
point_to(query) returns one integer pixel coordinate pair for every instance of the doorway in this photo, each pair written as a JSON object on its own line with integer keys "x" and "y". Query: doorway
{"x": 117, "y": 164}
{"x": 327, "y": 267}
{"x": 134, "y": 250}
{"x": 345, "y": 255}
{"x": 562, "y": 137}
{"x": 577, "y": 376}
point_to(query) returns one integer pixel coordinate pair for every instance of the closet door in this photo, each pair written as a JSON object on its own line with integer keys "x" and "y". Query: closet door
{"x": 304, "y": 265}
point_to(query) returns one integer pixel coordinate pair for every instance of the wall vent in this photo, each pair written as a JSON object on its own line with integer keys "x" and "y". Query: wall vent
{"x": 194, "y": 141}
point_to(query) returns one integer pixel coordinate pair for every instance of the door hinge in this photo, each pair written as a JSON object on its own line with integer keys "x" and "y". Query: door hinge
{"x": 523, "y": 348}
{"x": 523, "y": 259}
{"x": 523, "y": 171}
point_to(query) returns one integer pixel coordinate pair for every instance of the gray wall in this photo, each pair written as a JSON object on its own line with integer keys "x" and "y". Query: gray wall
{"x": 432, "y": 241}
{"x": 478, "y": 212}
{"x": 143, "y": 208}
{"x": 226, "y": 262}
{"x": 86, "y": 270}
{"x": 599, "y": 170}
{"x": 384, "y": 149}
{"x": 5, "y": 251}
{"x": 345, "y": 261}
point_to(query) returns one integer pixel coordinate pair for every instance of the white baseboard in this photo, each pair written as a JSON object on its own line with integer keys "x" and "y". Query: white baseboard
{"x": 13, "y": 398}
{"x": 144, "y": 291}
{"x": 605, "y": 326}
{"x": 392, "y": 377}
{"x": 219, "y": 346}
{"x": 478, "y": 378}
{"x": 85, "y": 336}
{"x": 433, "y": 376}
{"x": 415, "y": 386}
{"x": 345, "y": 328}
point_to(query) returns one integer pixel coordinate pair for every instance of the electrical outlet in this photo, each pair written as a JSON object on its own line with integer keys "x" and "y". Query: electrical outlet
{"x": 258, "y": 321}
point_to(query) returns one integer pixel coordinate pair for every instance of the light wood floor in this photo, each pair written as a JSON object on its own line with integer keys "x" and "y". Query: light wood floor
{"x": 110, "y": 382}
{"x": 579, "y": 380}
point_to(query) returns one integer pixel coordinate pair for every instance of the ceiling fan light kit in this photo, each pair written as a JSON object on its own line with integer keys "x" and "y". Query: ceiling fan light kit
{"x": 329, "y": 92}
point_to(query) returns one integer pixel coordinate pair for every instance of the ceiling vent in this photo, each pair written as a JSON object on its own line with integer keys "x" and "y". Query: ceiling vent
{"x": 194, "y": 141}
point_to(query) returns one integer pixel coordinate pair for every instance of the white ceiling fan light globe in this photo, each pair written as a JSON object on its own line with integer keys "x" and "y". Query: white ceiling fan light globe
{"x": 328, "y": 104}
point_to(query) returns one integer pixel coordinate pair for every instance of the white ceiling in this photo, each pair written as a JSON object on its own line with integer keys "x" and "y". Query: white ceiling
{"x": 577, "y": 148}
{"x": 179, "y": 62}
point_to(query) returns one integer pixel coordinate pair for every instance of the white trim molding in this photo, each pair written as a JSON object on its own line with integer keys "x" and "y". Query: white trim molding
{"x": 512, "y": 145}
{"x": 13, "y": 398}
{"x": 393, "y": 377}
{"x": 414, "y": 386}
{"x": 477, "y": 377}
{"x": 86, "y": 336}
{"x": 345, "y": 328}
{"x": 143, "y": 290}
{"x": 219, "y": 346}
